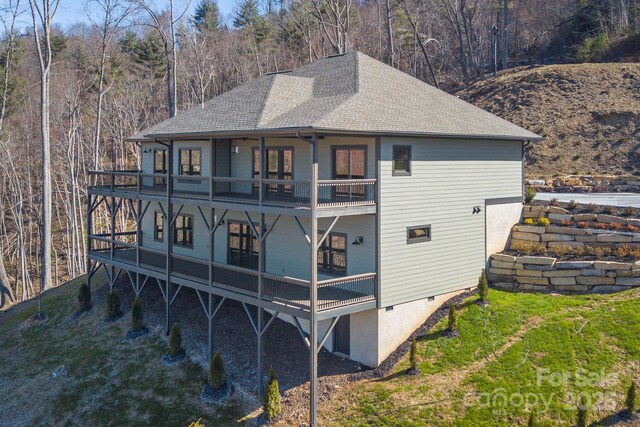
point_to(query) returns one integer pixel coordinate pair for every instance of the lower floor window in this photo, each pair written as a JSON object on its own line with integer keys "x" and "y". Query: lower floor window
{"x": 183, "y": 234}
{"x": 332, "y": 255}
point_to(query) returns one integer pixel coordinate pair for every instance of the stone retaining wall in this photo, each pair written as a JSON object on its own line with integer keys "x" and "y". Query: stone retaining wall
{"x": 553, "y": 236}
{"x": 587, "y": 184}
{"x": 540, "y": 273}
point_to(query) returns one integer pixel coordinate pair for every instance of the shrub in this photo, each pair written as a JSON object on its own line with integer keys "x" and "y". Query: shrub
{"x": 630, "y": 401}
{"x": 529, "y": 194}
{"x": 215, "y": 377}
{"x": 554, "y": 201}
{"x": 583, "y": 417}
{"x": 528, "y": 221}
{"x": 600, "y": 225}
{"x": 623, "y": 251}
{"x": 579, "y": 251}
{"x": 271, "y": 400}
{"x": 532, "y": 420}
{"x": 589, "y": 250}
{"x": 629, "y": 211}
{"x": 175, "y": 341}
{"x": 113, "y": 304}
{"x": 483, "y": 287}
{"x": 582, "y": 224}
{"x": 413, "y": 355}
{"x": 137, "y": 316}
{"x": 592, "y": 207}
{"x": 632, "y": 228}
{"x": 592, "y": 48}
{"x": 453, "y": 318}
{"x": 567, "y": 223}
{"x": 635, "y": 253}
{"x": 606, "y": 251}
{"x": 616, "y": 227}
{"x": 572, "y": 205}
{"x": 197, "y": 423}
{"x": 562, "y": 250}
{"x": 84, "y": 296}
{"x": 609, "y": 210}
{"x": 543, "y": 222}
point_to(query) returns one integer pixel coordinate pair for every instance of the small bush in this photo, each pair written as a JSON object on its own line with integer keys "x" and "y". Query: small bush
{"x": 615, "y": 227}
{"x": 197, "y": 423}
{"x": 629, "y": 211}
{"x": 137, "y": 316}
{"x": 589, "y": 250}
{"x": 623, "y": 251}
{"x": 483, "y": 287}
{"x": 543, "y": 222}
{"x": 609, "y": 210}
{"x": 175, "y": 341}
{"x": 554, "y": 201}
{"x": 562, "y": 250}
{"x": 592, "y": 207}
{"x": 572, "y": 205}
{"x": 592, "y": 48}
{"x": 583, "y": 417}
{"x": 113, "y": 304}
{"x": 580, "y": 251}
{"x": 582, "y": 224}
{"x": 630, "y": 401}
{"x": 529, "y": 194}
{"x": 632, "y": 228}
{"x": 566, "y": 223}
{"x": 216, "y": 371}
{"x": 600, "y": 226}
{"x": 635, "y": 253}
{"x": 453, "y": 318}
{"x": 413, "y": 355}
{"x": 271, "y": 400}
{"x": 528, "y": 221}
{"x": 606, "y": 252}
{"x": 84, "y": 296}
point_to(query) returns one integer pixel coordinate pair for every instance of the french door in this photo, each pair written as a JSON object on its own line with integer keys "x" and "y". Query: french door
{"x": 160, "y": 163}
{"x": 349, "y": 163}
{"x": 243, "y": 246}
{"x": 278, "y": 166}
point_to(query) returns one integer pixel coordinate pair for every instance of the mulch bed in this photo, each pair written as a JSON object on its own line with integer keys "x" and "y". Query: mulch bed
{"x": 170, "y": 360}
{"x": 216, "y": 396}
{"x": 134, "y": 335}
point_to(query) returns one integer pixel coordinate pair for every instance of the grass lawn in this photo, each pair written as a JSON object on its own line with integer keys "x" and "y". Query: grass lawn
{"x": 494, "y": 374}
{"x": 106, "y": 381}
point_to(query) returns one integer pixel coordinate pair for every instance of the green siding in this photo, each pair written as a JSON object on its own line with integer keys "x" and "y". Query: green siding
{"x": 448, "y": 178}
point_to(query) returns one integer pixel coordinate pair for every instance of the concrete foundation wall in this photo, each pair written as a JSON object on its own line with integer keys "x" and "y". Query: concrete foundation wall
{"x": 500, "y": 219}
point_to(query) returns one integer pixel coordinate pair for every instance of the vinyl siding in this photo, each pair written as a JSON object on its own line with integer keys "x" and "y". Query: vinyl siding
{"x": 448, "y": 178}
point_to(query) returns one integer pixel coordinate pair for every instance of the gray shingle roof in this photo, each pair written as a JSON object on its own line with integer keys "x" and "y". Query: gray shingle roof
{"x": 350, "y": 93}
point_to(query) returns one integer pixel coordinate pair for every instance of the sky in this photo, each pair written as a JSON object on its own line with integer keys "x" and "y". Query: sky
{"x": 73, "y": 11}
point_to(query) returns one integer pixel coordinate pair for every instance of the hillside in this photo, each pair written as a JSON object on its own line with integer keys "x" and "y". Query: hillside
{"x": 589, "y": 115}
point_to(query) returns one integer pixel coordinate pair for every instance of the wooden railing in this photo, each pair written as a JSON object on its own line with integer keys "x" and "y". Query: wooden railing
{"x": 274, "y": 192}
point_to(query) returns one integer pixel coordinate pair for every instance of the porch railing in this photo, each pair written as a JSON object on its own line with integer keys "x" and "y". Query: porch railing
{"x": 275, "y": 192}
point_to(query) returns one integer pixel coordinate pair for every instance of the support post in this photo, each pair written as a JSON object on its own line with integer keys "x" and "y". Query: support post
{"x": 313, "y": 290}
{"x": 260, "y": 368}
{"x": 169, "y": 227}
{"x": 210, "y": 322}
{"x": 89, "y": 232}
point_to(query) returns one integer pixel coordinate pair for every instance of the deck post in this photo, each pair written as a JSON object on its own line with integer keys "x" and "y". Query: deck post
{"x": 89, "y": 232}
{"x": 169, "y": 236}
{"x": 212, "y": 217}
{"x": 210, "y": 323}
{"x": 261, "y": 262}
{"x": 260, "y": 368}
{"x": 313, "y": 290}
{"x": 113, "y": 237}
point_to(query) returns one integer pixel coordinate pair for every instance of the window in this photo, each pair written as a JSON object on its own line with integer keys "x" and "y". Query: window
{"x": 158, "y": 227}
{"x": 190, "y": 161}
{"x": 243, "y": 245}
{"x": 159, "y": 165}
{"x": 332, "y": 255}
{"x": 420, "y": 233}
{"x": 401, "y": 160}
{"x": 183, "y": 232}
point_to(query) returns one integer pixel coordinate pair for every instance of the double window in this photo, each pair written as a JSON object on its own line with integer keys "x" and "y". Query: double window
{"x": 190, "y": 161}
{"x": 332, "y": 255}
{"x": 158, "y": 227}
{"x": 401, "y": 160}
{"x": 183, "y": 231}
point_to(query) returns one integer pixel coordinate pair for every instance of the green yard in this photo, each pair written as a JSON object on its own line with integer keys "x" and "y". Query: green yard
{"x": 589, "y": 345}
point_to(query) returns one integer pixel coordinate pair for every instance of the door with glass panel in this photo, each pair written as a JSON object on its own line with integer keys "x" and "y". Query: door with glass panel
{"x": 278, "y": 166}
{"x": 349, "y": 163}
{"x": 159, "y": 166}
{"x": 243, "y": 246}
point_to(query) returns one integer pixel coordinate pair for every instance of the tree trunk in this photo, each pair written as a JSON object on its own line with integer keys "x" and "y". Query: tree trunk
{"x": 390, "y": 50}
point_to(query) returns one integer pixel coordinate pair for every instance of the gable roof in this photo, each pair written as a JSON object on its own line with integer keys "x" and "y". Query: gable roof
{"x": 351, "y": 93}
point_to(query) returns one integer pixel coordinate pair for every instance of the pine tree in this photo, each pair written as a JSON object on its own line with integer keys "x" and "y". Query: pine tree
{"x": 413, "y": 355}
{"x": 84, "y": 296}
{"x": 175, "y": 341}
{"x": 483, "y": 288}
{"x": 207, "y": 16}
{"x": 137, "y": 316}
{"x": 630, "y": 402}
{"x": 271, "y": 400}
{"x": 216, "y": 371}
{"x": 453, "y": 318}
{"x": 113, "y": 304}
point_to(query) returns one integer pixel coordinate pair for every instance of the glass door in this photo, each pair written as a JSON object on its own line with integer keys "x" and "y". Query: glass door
{"x": 243, "y": 246}
{"x": 278, "y": 166}
{"x": 349, "y": 163}
{"x": 159, "y": 166}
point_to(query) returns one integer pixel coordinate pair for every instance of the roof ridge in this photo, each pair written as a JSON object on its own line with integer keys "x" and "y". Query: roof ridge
{"x": 263, "y": 104}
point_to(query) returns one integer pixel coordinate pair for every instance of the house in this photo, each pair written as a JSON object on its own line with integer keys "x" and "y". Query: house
{"x": 345, "y": 197}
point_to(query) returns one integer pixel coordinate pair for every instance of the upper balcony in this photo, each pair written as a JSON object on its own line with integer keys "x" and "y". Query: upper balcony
{"x": 358, "y": 195}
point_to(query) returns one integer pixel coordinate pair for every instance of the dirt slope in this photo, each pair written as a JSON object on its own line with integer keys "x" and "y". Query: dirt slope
{"x": 589, "y": 115}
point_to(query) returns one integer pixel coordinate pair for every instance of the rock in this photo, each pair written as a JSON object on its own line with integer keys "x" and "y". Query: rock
{"x": 538, "y": 267}
{"x": 587, "y": 239}
{"x": 530, "y": 237}
{"x": 539, "y": 208}
{"x": 561, "y": 273}
{"x": 560, "y": 217}
{"x": 500, "y": 278}
{"x": 58, "y": 371}
{"x": 628, "y": 281}
{"x": 532, "y": 280}
{"x": 536, "y": 260}
{"x": 635, "y": 265}
{"x": 572, "y": 244}
{"x": 532, "y": 287}
{"x": 614, "y": 238}
{"x": 557, "y": 237}
{"x": 610, "y": 219}
{"x": 571, "y": 265}
{"x": 608, "y": 288}
{"x": 530, "y": 229}
{"x": 566, "y": 230}
{"x": 611, "y": 265}
{"x": 563, "y": 281}
{"x": 528, "y": 273}
{"x": 558, "y": 210}
{"x": 503, "y": 257}
{"x": 584, "y": 217}
{"x": 502, "y": 285}
{"x": 592, "y": 272}
{"x": 502, "y": 264}
{"x": 572, "y": 288}
{"x": 595, "y": 280}
{"x": 502, "y": 271}
{"x": 536, "y": 182}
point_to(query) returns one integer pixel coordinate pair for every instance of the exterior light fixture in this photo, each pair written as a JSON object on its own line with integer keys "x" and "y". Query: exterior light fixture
{"x": 235, "y": 149}
{"x": 358, "y": 241}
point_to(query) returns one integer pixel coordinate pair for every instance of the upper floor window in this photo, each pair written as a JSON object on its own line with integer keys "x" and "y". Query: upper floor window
{"x": 401, "y": 160}
{"x": 332, "y": 255}
{"x": 158, "y": 227}
{"x": 420, "y": 233}
{"x": 160, "y": 160}
{"x": 190, "y": 160}
{"x": 183, "y": 231}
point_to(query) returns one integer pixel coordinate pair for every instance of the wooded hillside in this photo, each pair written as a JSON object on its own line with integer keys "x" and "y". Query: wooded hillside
{"x": 70, "y": 95}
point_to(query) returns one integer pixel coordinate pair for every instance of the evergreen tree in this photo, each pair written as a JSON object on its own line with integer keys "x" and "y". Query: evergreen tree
{"x": 216, "y": 371}
{"x": 453, "y": 318}
{"x": 271, "y": 400}
{"x": 207, "y": 16}
{"x": 113, "y": 304}
{"x": 84, "y": 296}
{"x": 137, "y": 316}
{"x": 175, "y": 341}
{"x": 483, "y": 287}
{"x": 413, "y": 355}
{"x": 630, "y": 402}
